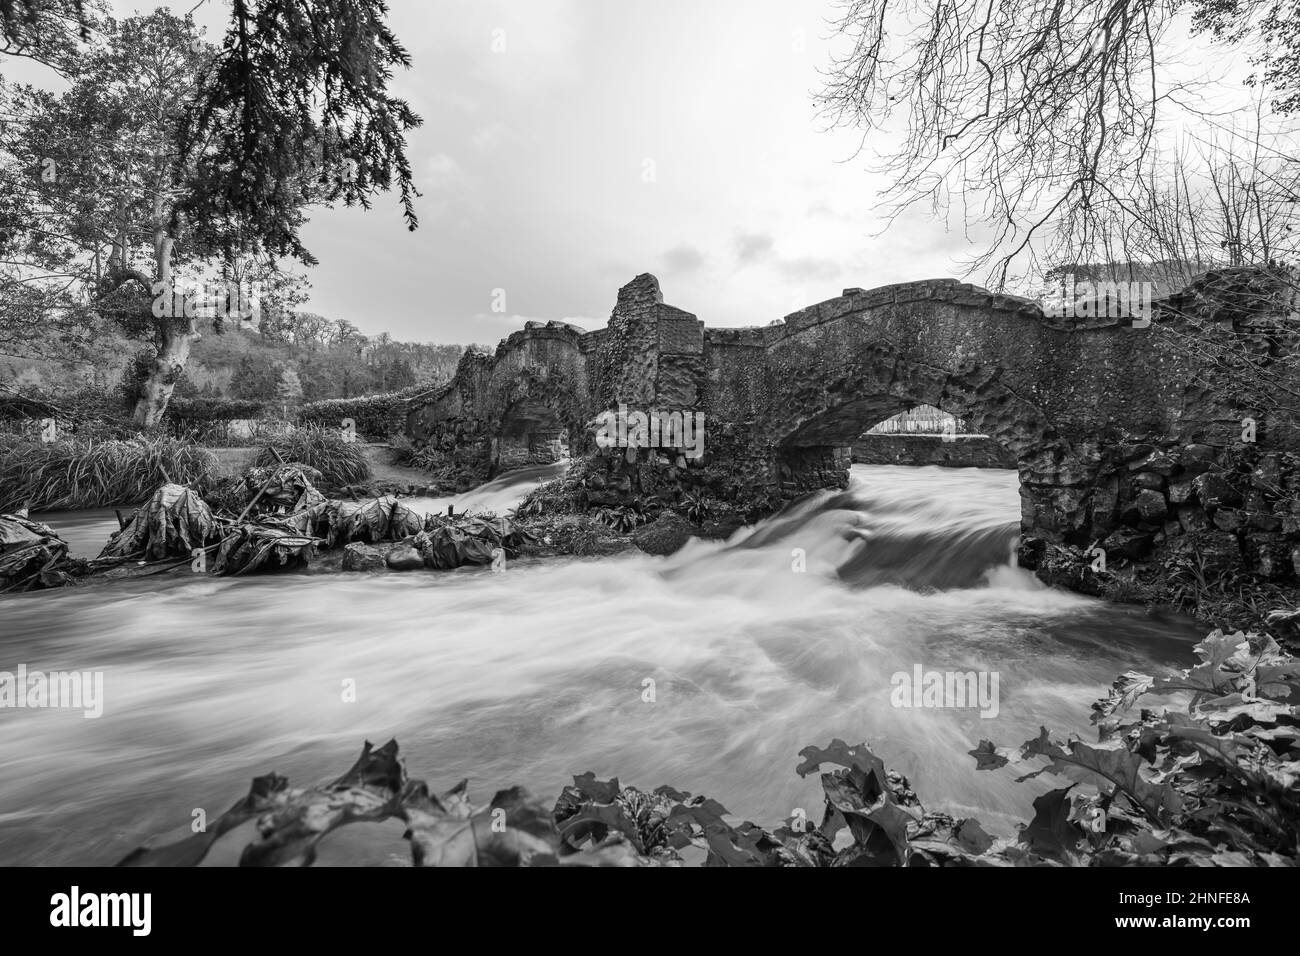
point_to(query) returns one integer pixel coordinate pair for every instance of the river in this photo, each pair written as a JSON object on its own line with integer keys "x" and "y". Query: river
{"x": 784, "y": 636}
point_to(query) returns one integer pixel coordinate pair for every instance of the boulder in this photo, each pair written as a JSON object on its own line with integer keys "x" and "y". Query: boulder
{"x": 665, "y": 535}
{"x": 362, "y": 557}
{"x": 404, "y": 558}
{"x": 1127, "y": 543}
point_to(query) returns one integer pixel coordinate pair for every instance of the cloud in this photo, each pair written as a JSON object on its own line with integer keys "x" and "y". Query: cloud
{"x": 492, "y": 137}
{"x": 809, "y": 267}
{"x": 683, "y": 259}
{"x": 753, "y": 246}
{"x": 443, "y": 182}
{"x": 522, "y": 49}
{"x": 443, "y": 172}
{"x": 821, "y": 209}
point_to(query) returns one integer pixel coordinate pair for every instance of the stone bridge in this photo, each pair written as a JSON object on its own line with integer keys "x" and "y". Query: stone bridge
{"x": 1111, "y": 423}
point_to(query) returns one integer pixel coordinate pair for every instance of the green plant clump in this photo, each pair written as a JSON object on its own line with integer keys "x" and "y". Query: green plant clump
{"x": 76, "y": 473}
{"x": 340, "y": 461}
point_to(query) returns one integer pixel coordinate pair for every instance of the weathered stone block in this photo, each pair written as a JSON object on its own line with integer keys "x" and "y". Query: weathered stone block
{"x": 1213, "y": 491}
{"x": 1229, "y": 519}
{"x": 1149, "y": 479}
{"x": 1267, "y": 475}
{"x": 1265, "y": 521}
{"x": 1193, "y": 519}
{"x": 362, "y": 557}
{"x": 405, "y": 559}
{"x": 680, "y": 336}
{"x": 1157, "y": 463}
{"x": 1269, "y": 556}
{"x": 1148, "y": 506}
{"x": 1127, "y": 543}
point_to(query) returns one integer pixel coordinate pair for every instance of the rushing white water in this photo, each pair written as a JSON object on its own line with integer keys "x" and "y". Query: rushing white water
{"x": 498, "y": 495}
{"x": 539, "y": 673}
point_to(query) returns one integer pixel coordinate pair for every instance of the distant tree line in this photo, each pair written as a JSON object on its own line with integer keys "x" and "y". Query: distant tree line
{"x": 305, "y": 357}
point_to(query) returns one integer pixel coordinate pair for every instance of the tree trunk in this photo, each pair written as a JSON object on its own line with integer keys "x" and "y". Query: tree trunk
{"x": 178, "y": 335}
{"x": 167, "y": 368}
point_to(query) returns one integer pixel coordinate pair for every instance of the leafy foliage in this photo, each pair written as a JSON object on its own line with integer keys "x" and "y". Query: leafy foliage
{"x": 46, "y": 30}
{"x": 630, "y": 516}
{"x": 374, "y": 415}
{"x": 550, "y": 497}
{"x": 338, "y": 462}
{"x": 75, "y": 473}
{"x": 165, "y": 150}
{"x": 1216, "y": 783}
{"x": 262, "y": 546}
{"x": 185, "y": 411}
{"x": 295, "y": 108}
{"x": 282, "y": 488}
{"x": 29, "y": 554}
{"x": 696, "y": 507}
{"x": 379, "y": 519}
{"x": 447, "y": 543}
{"x": 174, "y": 521}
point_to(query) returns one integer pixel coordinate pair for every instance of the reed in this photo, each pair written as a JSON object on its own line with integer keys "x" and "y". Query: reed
{"x": 340, "y": 462}
{"x": 90, "y": 473}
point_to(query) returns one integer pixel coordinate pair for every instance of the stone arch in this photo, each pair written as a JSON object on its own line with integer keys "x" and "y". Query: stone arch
{"x": 537, "y": 424}
{"x": 536, "y": 392}
{"x": 838, "y": 401}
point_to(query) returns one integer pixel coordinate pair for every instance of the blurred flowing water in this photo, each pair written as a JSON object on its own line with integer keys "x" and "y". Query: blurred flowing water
{"x": 536, "y": 674}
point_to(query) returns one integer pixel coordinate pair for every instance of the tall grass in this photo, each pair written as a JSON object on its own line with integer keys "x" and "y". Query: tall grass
{"x": 339, "y": 462}
{"x": 88, "y": 473}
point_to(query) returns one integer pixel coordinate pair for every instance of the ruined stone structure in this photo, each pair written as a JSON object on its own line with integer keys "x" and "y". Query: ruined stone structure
{"x": 1113, "y": 427}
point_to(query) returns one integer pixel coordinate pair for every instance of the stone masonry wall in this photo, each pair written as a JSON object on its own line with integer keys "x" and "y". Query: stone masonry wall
{"x": 1125, "y": 438}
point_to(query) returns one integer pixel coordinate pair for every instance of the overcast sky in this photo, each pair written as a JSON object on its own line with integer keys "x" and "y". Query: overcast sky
{"x": 569, "y": 145}
{"x": 608, "y": 139}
